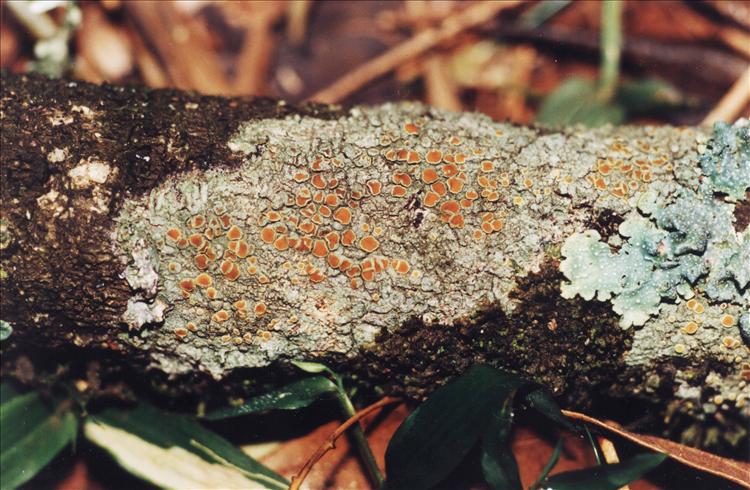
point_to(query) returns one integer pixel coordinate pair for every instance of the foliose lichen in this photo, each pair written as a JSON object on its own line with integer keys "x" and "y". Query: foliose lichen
{"x": 726, "y": 164}
{"x": 676, "y": 240}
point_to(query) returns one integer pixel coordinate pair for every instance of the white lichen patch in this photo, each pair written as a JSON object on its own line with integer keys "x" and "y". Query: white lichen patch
{"x": 332, "y": 231}
{"x": 57, "y": 155}
{"x": 88, "y": 173}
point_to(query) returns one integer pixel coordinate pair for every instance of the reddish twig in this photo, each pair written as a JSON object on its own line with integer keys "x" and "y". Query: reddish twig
{"x": 733, "y": 101}
{"x": 330, "y": 443}
{"x": 472, "y": 16}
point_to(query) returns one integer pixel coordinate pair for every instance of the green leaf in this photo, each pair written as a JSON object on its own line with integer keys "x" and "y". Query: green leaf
{"x": 553, "y": 459}
{"x": 32, "y": 434}
{"x": 576, "y": 101}
{"x": 498, "y": 463}
{"x": 291, "y": 397}
{"x": 648, "y": 96}
{"x": 541, "y": 13}
{"x": 606, "y": 477}
{"x": 543, "y": 402}
{"x": 311, "y": 367}
{"x": 436, "y": 437}
{"x": 174, "y": 451}
{"x": 7, "y": 391}
{"x": 20, "y": 416}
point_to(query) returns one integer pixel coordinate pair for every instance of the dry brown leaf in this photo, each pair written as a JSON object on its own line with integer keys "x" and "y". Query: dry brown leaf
{"x": 735, "y": 471}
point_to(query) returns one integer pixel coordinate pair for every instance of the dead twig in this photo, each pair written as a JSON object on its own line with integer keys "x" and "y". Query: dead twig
{"x": 472, "y": 16}
{"x": 733, "y": 101}
{"x": 330, "y": 443}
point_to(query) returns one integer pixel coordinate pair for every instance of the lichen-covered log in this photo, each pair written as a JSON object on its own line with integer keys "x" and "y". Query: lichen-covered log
{"x": 400, "y": 242}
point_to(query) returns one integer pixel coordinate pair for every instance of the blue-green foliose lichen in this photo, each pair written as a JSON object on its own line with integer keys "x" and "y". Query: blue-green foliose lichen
{"x": 676, "y": 241}
{"x": 726, "y": 164}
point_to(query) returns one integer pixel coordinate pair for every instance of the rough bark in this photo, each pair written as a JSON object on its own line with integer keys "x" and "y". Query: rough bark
{"x": 203, "y": 234}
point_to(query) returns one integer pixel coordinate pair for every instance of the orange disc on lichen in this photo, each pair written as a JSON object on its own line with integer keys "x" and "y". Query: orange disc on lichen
{"x": 411, "y": 128}
{"x": 260, "y": 309}
{"x": 317, "y": 276}
{"x": 398, "y": 191}
{"x": 187, "y": 285}
{"x": 233, "y": 274}
{"x": 369, "y": 243}
{"x": 221, "y": 316}
{"x": 402, "y": 266}
{"x": 300, "y": 177}
{"x": 211, "y": 293}
{"x": 434, "y": 156}
{"x": 413, "y": 157}
{"x": 487, "y": 166}
{"x": 201, "y": 261}
{"x": 333, "y": 260}
{"x": 429, "y": 175}
{"x": 431, "y": 199}
{"x": 374, "y": 187}
{"x": 174, "y": 234}
{"x": 197, "y": 240}
{"x": 449, "y": 170}
{"x": 332, "y": 239}
{"x": 348, "y": 238}
{"x": 457, "y": 221}
{"x": 345, "y": 264}
{"x": 203, "y": 280}
{"x": 455, "y": 185}
{"x": 439, "y": 188}
{"x": 242, "y": 249}
{"x": 343, "y": 215}
{"x": 268, "y": 234}
{"x": 235, "y": 233}
{"x": 450, "y": 207}
{"x": 319, "y": 248}
{"x": 331, "y": 200}
{"x": 281, "y": 244}
{"x": 197, "y": 221}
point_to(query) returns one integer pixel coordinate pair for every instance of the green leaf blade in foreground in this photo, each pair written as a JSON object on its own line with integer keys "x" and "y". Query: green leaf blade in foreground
{"x": 7, "y": 392}
{"x": 541, "y": 400}
{"x": 605, "y": 477}
{"x": 498, "y": 463}
{"x": 436, "y": 437}
{"x": 290, "y": 397}
{"x": 28, "y": 450}
{"x": 174, "y": 451}
{"x": 575, "y": 101}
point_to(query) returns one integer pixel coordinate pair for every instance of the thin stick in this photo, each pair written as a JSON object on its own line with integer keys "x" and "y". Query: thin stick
{"x": 610, "y": 454}
{"x": 472, "y": 16}
{"x": 330, "y": 443}
{"x": 733, "y": 101}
